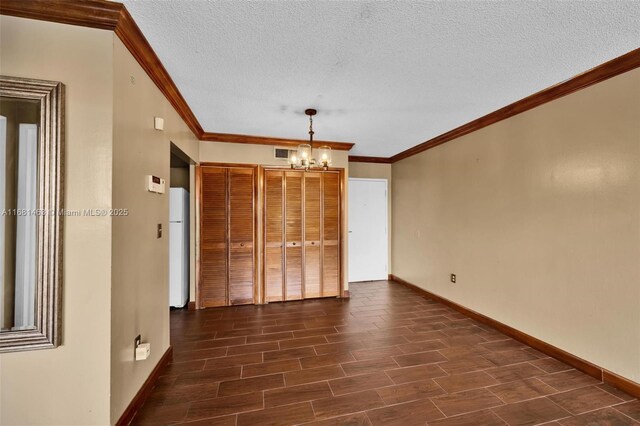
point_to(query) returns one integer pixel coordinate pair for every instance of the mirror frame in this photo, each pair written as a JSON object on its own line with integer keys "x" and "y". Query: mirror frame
{"x": 49, "y": 226}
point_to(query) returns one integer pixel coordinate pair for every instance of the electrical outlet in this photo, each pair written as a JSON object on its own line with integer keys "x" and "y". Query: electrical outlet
{"x": 136, "y": 341}
{"x": 453, "y": 278}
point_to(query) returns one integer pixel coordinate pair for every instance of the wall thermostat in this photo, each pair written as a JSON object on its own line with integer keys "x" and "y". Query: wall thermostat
{"x": 155, "y": 184}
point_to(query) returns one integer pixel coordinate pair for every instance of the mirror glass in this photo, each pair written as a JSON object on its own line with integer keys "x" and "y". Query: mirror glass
{"x": 19, "y": 135}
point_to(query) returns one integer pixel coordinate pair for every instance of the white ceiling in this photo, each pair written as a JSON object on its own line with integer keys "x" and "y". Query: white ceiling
{"x": 386, "y": 75}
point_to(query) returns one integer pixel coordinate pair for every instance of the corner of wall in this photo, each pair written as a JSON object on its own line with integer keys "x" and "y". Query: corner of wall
{"x": 140, "y": 272}
{"x": 71, "y": 382}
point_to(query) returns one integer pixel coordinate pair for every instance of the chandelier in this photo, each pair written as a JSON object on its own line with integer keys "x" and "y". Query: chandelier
{"x": 302, "y": 157}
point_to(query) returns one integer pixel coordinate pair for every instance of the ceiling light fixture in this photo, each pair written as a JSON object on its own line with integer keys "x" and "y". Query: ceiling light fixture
{"x": 302, "y": 158}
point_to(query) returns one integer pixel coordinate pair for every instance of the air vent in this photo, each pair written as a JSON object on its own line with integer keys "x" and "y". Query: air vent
{"x": 281, "y": 153}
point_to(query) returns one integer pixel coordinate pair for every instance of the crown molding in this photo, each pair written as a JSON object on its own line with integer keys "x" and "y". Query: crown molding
{"x": 612, "y": 68}
{"x": 365, "y": 159}
{"x": 100, "y": 14}
{"x": 265, "y": 140}
{"x": 111, "y": 16}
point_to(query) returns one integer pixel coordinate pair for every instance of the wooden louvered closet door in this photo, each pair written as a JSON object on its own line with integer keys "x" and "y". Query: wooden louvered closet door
{"x": 331, "y": 234}
{"x": 301, "y": 234}
{"x": 293, "y": 196}
{"x": 241, "y": 226}
{"x": 312, "y": 238}
{"x": 227, "y": 236}
{"x": 213, "y": 238}
{"x": 273, "y": 235}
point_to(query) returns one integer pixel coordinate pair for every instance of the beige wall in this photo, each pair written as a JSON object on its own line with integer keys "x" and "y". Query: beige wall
{"x": 179, "y": 177}
{"x": 69, "y": 385}
{"x": 218, "y": 152}
{"x": 370, "y": 171}
{"x": 539, "y": 217}
{"x": 376, "y": 171}
{"x": 140, "y": 283}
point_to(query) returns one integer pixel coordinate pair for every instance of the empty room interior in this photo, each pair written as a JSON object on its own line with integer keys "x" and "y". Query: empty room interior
{"x": 319, "y": 212}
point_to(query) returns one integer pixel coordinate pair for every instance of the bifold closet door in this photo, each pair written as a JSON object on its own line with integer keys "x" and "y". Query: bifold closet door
{"x": 241, "y": 244}
{"x": 330, "y": 234}
{"x": 312, "y": 236}
{"x": 293, "y": 231}
{"x": 213, "y": 238}
{"x": 301, "y": 234}
{"x": 227, "y": 256}
{"x": 273, "y": 235}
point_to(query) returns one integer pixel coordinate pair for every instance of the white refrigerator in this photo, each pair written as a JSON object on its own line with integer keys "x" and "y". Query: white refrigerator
{"x": 178, "y": 247}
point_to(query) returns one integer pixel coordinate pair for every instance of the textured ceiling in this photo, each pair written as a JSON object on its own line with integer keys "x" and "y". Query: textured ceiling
{"x": 386, "y": 75}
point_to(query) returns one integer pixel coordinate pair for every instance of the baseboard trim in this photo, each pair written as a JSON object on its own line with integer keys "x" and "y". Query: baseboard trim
{"x": 346, "y": 294}
{"x": 145, "y": 390}
{"x": 191, "y": 306}
{"x": 622, "y": 383}
{"x": 631, "y": 387}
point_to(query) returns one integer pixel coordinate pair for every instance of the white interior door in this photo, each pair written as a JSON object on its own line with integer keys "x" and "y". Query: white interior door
{"x": 368, "y": 241}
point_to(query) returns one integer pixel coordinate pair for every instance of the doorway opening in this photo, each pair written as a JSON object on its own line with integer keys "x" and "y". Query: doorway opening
{"x": 180, "y": 224}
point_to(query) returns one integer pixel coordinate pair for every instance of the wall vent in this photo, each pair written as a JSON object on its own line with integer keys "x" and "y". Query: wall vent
{"x": 281, "y": 153}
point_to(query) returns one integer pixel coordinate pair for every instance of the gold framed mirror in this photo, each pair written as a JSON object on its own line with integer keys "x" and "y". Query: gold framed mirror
{"x": 31, "y": 213}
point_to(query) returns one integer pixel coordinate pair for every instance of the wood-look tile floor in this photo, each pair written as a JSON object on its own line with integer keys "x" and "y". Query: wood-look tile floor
{"x": 387, "y": 356}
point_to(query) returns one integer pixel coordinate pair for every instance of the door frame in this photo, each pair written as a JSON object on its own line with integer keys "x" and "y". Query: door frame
{"x": 256, "y": 207}
{"x": 386, "y": 213}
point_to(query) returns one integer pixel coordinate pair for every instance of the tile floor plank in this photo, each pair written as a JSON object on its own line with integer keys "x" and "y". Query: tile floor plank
{"x": 276, "y": 416}
{"x": 313, "y": 375}
{"x": 300, "y": 393}
{"x": 534, "y": 411}
{"x": 581, "y": 400}
{"x": 260, "y": 383}
{"x": 352, "y": 384}
{"x": 406, "y": 414}
{"x": 339, "y": 405}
